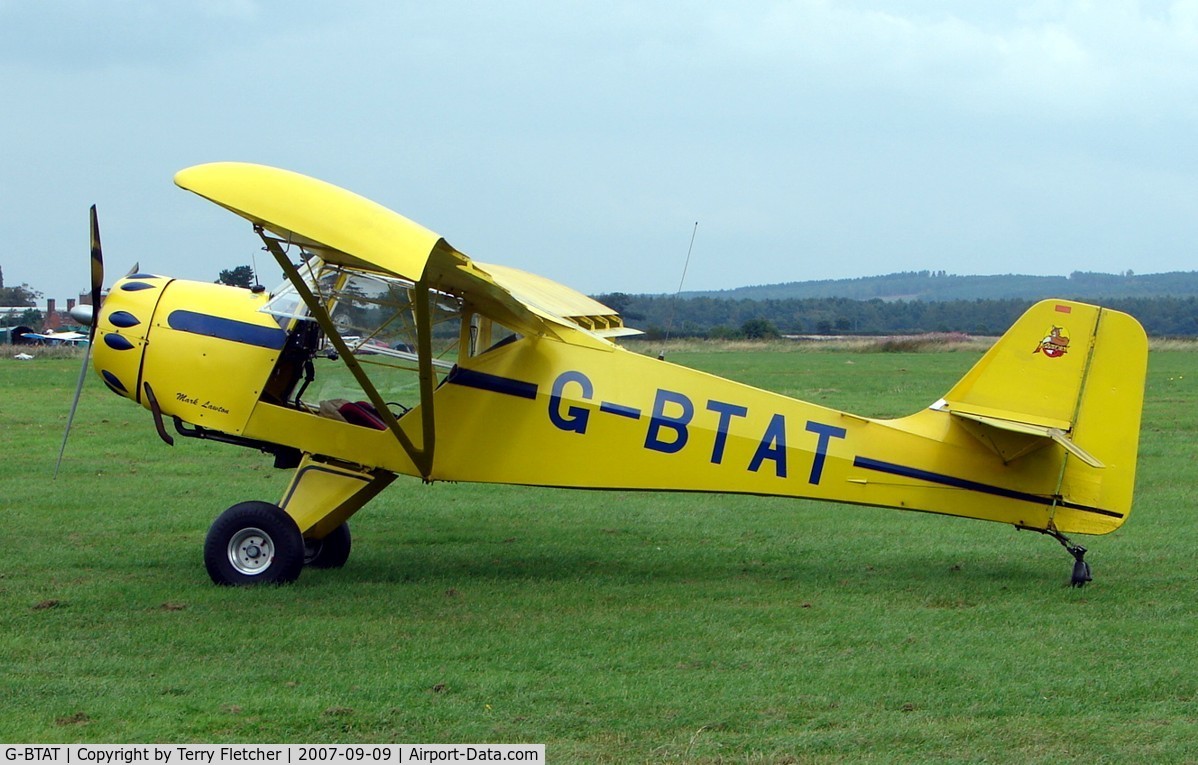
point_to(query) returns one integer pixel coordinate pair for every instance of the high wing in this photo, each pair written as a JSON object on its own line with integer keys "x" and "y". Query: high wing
{"x": 343, "y": 239}
{"x": 353, "y": 232}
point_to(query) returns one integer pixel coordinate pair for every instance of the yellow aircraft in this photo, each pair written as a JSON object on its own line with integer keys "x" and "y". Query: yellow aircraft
{"x": 476, "y": 372}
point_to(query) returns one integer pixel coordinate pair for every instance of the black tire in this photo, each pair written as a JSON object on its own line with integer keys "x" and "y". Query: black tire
{"x": 254, "y": 543}
{"x": 330, "y": 552}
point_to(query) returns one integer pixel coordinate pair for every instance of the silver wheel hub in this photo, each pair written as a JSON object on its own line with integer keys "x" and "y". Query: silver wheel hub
{"x": 251, "y": 551}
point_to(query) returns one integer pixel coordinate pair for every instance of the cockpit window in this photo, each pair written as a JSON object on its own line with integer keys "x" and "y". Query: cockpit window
{"x": 374, "y": 315}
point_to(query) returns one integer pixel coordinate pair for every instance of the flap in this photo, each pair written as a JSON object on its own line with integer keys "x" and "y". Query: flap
{"x": 551, "y": 299}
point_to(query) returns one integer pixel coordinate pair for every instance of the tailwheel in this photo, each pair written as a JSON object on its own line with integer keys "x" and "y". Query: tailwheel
{"x": 1081, "y": 571}
{"x": 1081, "y": 568}
{"x": 254, "y": 543}
{"x": 330, "y": 552}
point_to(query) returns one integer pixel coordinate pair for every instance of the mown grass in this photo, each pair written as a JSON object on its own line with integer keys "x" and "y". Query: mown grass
{"x": 614, "y": 627}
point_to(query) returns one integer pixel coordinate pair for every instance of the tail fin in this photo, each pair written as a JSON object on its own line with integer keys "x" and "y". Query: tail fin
{"x": 1070, "y": 374}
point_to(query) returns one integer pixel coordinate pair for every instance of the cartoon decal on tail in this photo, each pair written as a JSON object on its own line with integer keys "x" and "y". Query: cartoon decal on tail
{"x": 1055, "y": 343}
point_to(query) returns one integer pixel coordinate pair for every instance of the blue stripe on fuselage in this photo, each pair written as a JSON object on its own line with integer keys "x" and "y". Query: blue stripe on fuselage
{"x": 470, "y": 378}
{"x": 227, "y": 329}
{"x": 891, "y": 468}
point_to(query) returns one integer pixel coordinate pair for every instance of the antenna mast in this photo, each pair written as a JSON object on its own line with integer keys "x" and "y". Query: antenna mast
{"x": 674, "y": 302}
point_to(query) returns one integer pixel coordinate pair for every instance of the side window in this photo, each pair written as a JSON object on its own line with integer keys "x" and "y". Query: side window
{"x": 375, "y": 317}
{"x": 487, "y": 335}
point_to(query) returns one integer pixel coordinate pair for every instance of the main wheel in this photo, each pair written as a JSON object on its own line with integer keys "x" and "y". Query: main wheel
{"x": 254, "y": 543}
{"x": 330, "y": 552}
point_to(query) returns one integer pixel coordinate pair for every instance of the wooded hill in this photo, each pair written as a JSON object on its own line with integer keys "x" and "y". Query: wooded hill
{"x": 938, "y": 285}
{"x": 909, "y": 303}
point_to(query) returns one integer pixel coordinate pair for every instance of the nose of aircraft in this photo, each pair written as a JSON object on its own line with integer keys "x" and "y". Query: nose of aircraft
{"x": 121, "y": 330}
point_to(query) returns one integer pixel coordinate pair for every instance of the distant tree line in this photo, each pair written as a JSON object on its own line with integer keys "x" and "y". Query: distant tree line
{"x": 940, "y": 285}
{"x": 715, "y": 317}
{"x": 16, "y": 297}
{"x": 718, "y": 315}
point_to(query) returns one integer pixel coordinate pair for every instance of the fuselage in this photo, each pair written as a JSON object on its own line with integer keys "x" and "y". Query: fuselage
{"x": 540, "y": 411}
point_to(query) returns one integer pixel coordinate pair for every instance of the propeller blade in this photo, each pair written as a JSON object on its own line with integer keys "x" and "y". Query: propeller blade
{"x": 87, "y": 352}
{"x": 97, "y": 273}
{"x": 97, "y": 285}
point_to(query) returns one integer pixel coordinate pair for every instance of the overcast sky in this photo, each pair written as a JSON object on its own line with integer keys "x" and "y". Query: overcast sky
{"x": 582, "y": 141}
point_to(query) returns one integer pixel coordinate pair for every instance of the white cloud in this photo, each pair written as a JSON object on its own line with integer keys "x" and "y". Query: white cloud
{"x": 582, "y": 141}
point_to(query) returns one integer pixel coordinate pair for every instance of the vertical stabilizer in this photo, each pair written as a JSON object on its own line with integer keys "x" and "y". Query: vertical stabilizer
{"x": 1067, "y": 377}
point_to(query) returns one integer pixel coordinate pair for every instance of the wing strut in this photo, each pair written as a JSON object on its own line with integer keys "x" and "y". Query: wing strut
{"x": 421, "y": 457}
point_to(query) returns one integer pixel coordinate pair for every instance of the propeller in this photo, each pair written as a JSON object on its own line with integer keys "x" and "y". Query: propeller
{"x": 97, "y": 268}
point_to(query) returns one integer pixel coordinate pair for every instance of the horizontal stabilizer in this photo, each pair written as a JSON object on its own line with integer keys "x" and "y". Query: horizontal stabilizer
{"x": 1028, "y": 437}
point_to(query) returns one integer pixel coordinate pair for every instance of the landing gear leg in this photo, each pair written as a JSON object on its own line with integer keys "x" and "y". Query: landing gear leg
{"x": 1081, "y": 569}
{"x": 321, "y": 497}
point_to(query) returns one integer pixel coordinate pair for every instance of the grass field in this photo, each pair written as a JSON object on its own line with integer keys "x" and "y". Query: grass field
{"x": 613, "y": 627}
